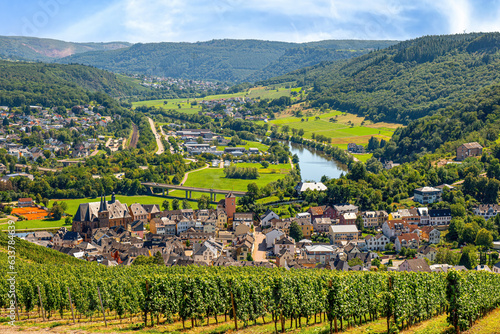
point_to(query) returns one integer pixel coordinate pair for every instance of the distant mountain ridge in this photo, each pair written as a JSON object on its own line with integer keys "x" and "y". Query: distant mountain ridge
{"x": 223, "y": 60}
{"x": 45, "y": 49}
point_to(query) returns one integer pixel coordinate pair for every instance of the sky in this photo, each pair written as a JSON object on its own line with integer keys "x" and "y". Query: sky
{"x": 278, "y": 20}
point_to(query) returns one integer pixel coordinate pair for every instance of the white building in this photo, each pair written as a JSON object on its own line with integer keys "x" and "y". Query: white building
{"x": 304, "y": 186}
{"x": 427, "y": 195}
{"x": 272, "y": 236}
{"x": 487, "y": 211}
{"x": 376, "y": 242}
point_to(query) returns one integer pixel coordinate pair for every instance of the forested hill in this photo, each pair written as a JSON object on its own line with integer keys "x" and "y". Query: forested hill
{"x": 53, "y": 85}
{"x": 44, "y": 49}
{"x": 406, "y": 81}
{"x": 223, "y": 60}
{"x": 476, "y": 118}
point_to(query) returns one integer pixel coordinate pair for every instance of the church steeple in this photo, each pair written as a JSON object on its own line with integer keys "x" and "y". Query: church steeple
{"x": 101, "y": 206}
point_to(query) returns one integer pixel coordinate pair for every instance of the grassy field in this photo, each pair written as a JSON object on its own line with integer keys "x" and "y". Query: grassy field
{"x": 345, "y": 128}
{"x": 215, "y": 178}
{"x": 437, "y": 325}
{"x": 73, "y": 207}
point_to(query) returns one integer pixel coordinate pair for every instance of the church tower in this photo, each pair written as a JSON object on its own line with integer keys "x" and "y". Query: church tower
{"x": 103, "y": 213}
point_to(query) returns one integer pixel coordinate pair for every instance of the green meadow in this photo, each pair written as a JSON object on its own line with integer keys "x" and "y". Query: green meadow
{"x": 214, "y": 177}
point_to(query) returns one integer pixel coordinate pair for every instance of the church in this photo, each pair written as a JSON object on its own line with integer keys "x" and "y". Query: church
{"x": 101, "y": 214}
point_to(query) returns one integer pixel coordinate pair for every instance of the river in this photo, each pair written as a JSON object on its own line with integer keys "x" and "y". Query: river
{"x": 314, "y": 164}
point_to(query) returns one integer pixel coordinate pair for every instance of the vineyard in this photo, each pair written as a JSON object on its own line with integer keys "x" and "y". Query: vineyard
{"x": 156, "y": 295}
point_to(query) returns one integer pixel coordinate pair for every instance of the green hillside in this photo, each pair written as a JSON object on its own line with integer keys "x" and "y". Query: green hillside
{"x": 476, "y": 118}
{"x": 223, "y": 60}
{"x": 44, "y": 49}
{"x": 31, "y": 253}
{"x": 53, "y": 85}
{"x": 406, "y": 81}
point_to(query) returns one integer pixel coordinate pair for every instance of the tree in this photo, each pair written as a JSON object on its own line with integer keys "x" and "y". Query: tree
{"x": 484, "y": 238}
{"x": 185, "y": 204}
{"x": 359, "y": 223}
{"x": 389, "y": 246}
{"x": 355, "y": 262}
{"x": 175, "y": 204}
{"x": 301, "y": 131}
{"x": 265, "y": 164}
{"x": 253, "y": 190}
{"x": 165, "y": 205}
{"x": 56, "y": 211}
{"x": 457, "y": 210}
{"x": 158, "y": 259}
{"x": 67, "y": 220}
{"x": 402, "y": 252}
{"x": 296, "y": 231}
{"x": 203, "y": 202}
{"x": 469, "y": 257}
{"x": 455, "y": 229}
{"x": 376, "y": 262}
{"x": 249, "y": 257}
{"x": 469, "y": 233}
{"x": 45, "y": 202}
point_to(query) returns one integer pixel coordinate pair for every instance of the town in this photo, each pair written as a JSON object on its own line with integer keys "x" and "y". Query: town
{"x": 329, "y": 237}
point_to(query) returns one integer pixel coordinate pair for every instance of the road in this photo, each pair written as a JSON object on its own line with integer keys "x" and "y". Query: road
{"x": 161, "y": 149}
{"x": 259, "y": 249}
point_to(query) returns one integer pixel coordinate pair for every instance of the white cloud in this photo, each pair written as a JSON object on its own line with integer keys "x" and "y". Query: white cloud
{"x": 300, "y": 21}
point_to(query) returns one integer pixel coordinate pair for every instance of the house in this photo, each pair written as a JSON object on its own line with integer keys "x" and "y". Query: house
{"x": 340, "y": 234}
{"x": 272, "y": 236}
{"x": 482, "y": 267}
{"x": 340, "y": 209}
{"x": 431, "y": 234}
{"x": 206, "y": 253}
{"x": 137, "y": 227}
{"x": 284, "y": 257}
{"x": 466, "y": 150}
{"x": 244, "y": 248}
{"x": 427, "y": 195}
{"x": 306, "y": 227}
{"x": 392, "y": 229}
{"x": 348, "y": 218}
{"x": 320, "y": 253}
{"x": 284, "y": 243}
{"x": 407, "y": 240}
{"x": 427, "y": 252}
{"x": 312, "y": 186}
{"x": 152, "y": 209}
{"x": 376, "y": 242}
{"x": 355, "y": 148}
{"x": 374, "y": 219}
{"x": 415, "y": 265}
{"x": 242, "y": 218}
{"x": 241, "y": 229}
{"x": 316, "y": 212}
{"x": 25, "y": 202}
{"x": 138, "y": 213}
{"x": 424, "y": 216}
{"x": 322, "y": 225}
{"x": 265, "y": 219}
{"x": 439, "y": 217}
{"x": 487, "y": 211}
{"x": 496, "y": 268}
{"x": 68, "y": 239}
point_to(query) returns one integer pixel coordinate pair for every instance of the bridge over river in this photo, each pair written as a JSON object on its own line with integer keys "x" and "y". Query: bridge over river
{"x": 189, "y": 190}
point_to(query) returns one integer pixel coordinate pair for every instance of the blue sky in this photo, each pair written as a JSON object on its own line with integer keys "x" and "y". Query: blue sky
{"x": 283, "y": 20}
